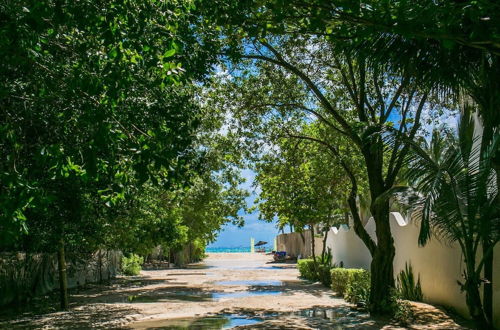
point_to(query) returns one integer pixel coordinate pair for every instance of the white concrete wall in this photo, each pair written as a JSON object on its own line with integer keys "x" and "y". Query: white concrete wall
{"x": 438, "y": 264}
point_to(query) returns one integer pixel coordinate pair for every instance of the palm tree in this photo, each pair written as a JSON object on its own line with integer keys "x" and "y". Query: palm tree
{"x": 458, "y": 192}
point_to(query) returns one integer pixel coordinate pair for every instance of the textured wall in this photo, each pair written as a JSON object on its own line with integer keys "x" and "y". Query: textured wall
{"x": 438, "y": 264}
{"x": 294, "y": 245}
{"x": 25, "y": 275}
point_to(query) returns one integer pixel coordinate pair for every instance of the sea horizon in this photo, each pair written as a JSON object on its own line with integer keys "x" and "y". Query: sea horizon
{"x": 233, "y": 249}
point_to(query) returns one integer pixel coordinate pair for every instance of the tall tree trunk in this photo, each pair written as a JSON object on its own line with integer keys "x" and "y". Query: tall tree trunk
{"x": 108, "y": 263}
{"x": 63, "y": 278}
{"x": 488, "y": 99}
{"x": 472, "y": 296}
{"x": 313, "y": 245}
{"x": 486, "y": 240}
{"x": 488, "y": 285}
{"x": 323, "y": 249}
{"x": 488, "y": 250}
{"x": 99, "y": 258}
{"x": 382, "y": 269}
{"x": 303, "y": 238}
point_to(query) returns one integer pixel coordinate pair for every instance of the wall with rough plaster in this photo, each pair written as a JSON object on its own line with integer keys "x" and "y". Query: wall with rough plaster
{"x": 296, "y": 244}
{"x": 439, "y": 265}
{"x": 23, "y": 275}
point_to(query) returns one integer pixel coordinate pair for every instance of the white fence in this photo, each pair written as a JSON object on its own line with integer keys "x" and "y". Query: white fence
{"x": 438, "y": 264}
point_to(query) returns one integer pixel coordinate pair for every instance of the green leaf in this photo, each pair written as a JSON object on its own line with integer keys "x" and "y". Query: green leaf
{"x": 113, "y": 53}
{"x": 169, "y": 53}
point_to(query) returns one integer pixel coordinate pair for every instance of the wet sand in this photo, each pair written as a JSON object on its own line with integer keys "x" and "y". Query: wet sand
{"x": 242, "y": 290}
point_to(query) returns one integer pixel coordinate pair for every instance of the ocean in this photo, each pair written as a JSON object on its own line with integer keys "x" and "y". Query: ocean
{"x": 232, "y": 249}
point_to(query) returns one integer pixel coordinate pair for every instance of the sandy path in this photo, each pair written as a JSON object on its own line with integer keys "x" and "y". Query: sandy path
{"x": 241, "y": 284}
{"x": 288, "y": 292}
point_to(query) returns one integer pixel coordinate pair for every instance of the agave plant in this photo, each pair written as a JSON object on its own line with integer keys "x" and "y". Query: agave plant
{"x": 407, "y": 286}
{"x": 458, "y": 190}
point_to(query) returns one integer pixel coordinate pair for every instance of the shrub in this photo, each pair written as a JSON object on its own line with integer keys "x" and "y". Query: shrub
{"x": 307, "y": 270}
{"x": 358, "y": 287}
{"x": 328, "y": 257}
{"x": 402, "y": 312}
{"x": 132, "y": 265}
{"x": 324, "y": 275}
{"x": 353, "y": 284}
{"x": 407, "y": 287}
{"x": 339, "y": 279}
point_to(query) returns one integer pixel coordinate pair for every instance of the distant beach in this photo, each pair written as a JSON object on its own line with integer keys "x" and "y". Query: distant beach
{"x": 231, "y": 249}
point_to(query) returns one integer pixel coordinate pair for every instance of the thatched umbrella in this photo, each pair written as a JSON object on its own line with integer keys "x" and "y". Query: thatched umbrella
{"x": 259, "y": 243}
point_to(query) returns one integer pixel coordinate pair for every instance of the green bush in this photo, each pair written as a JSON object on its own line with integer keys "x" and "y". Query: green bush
{"x": 132, "y": 265}
{"x": 402, "y": 312}
{"x": 324, "y": 275}
{"x": 307, "y": 270}
{"x": 353, "y": 284}
{"x": 340, "y": 277}
{"x": 358, "y": 287}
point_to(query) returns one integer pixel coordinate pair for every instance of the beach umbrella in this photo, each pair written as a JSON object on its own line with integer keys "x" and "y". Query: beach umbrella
{"x": 259, "y": 243}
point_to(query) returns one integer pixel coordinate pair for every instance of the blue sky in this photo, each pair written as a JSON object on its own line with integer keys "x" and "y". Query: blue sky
{"x": 232, "y": 236}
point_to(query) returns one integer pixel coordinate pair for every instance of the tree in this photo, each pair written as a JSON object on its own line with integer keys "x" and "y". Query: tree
{"x": 308, "y": 78}
{"x": 92, "y": 105}
{"x": 458, "y": 201}
{"x": 302, "y": 185}
{"x": 450, "y": 45}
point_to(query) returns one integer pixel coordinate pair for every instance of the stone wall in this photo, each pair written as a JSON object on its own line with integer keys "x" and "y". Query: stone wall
{"x": 298, "y": 244}
{"x": 24, "y": 275}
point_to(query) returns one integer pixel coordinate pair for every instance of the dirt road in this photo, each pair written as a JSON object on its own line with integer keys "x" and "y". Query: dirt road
{"x": 227, "y": 290}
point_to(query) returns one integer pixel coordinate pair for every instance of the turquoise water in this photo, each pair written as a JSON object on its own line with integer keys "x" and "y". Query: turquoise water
{"x": 231, "y": 249}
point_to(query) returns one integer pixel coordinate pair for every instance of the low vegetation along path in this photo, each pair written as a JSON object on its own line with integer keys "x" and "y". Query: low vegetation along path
{"x": 225, "y": 291}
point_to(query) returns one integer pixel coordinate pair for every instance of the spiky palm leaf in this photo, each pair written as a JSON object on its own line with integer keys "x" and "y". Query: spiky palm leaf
{"x": 457, "y": 186}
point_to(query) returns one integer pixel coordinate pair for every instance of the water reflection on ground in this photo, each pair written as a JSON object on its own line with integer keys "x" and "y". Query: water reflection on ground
{"x": 215, "y": 322}
{"x": 318, "y": 318}
{"x": 196, "y": 296}
{"x": 243, "y": 294}
{"x": 173, "y": 295}
{"x": 252, "y": 282}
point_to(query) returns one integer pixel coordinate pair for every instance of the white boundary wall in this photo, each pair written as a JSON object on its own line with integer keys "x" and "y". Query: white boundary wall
{"x": 439, "y": 265}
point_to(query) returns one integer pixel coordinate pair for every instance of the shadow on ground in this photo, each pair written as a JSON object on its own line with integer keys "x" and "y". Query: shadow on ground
{"x": 95, "y": 316}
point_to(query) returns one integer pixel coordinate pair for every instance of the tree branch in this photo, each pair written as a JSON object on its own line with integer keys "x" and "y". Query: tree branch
{"x": 391, "y": 177}
{"x": 359, "y": 229}
{"x": 314, "y": 112}
{"x": 312, "y": 86}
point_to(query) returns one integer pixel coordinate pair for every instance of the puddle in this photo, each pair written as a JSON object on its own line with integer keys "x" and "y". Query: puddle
{"x": 177, "y": 295}
{"x": 197, "y": 296}
{"x": 319, "y": 318}
{"x": 224, "y": 321}
{"x": 257, "y": 268}
{"x": 185, "y": 274}
{"x": 340, "y": 317}
{"x": 199, "y": 266}
{"x": 327, "y": 314}
{"x": 243, "y": 294}
{"x": 251, "y": 283}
